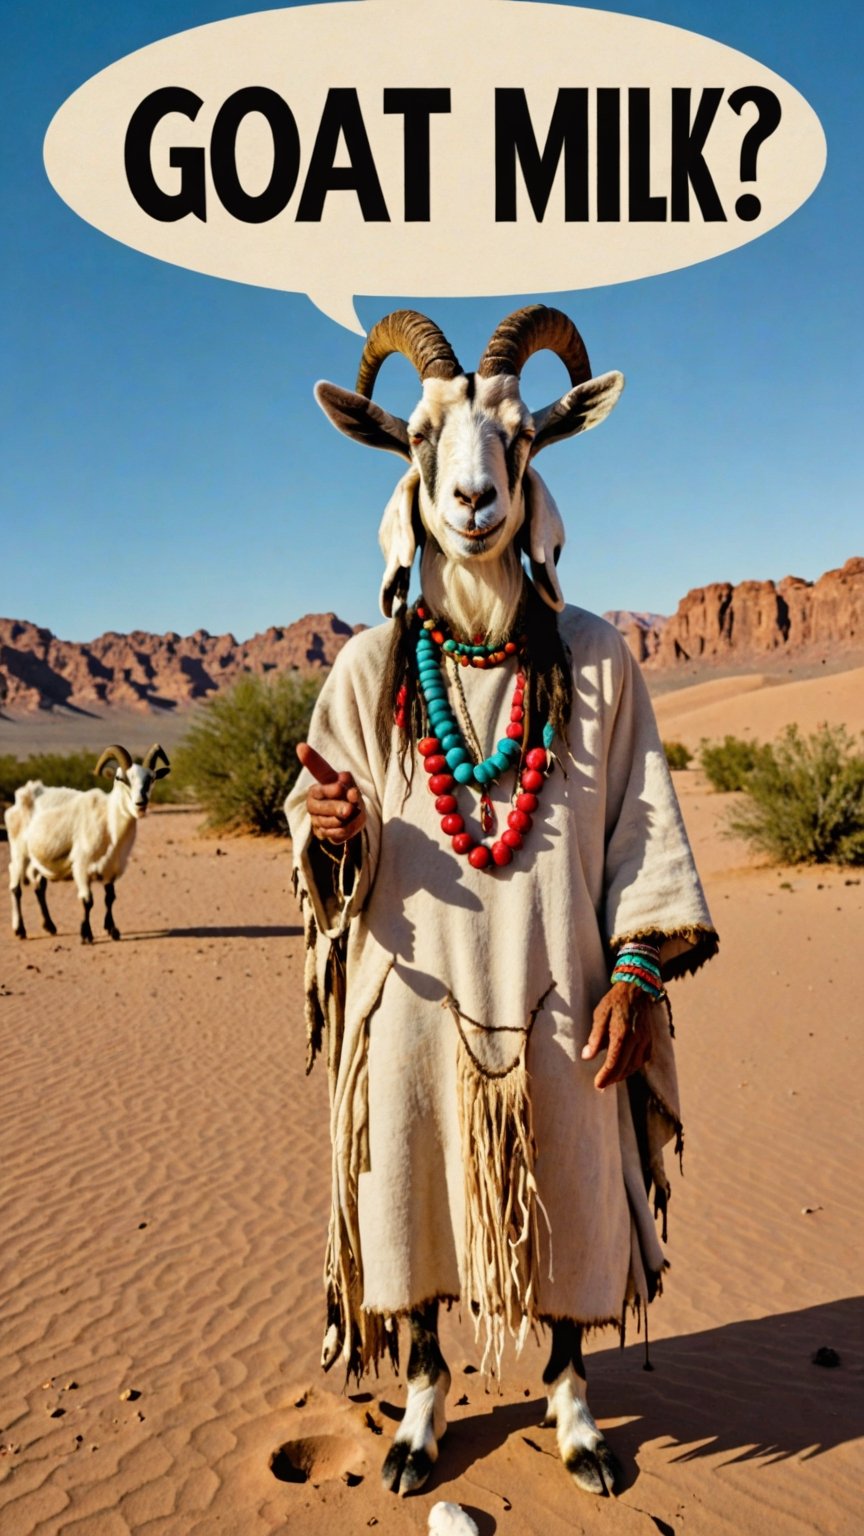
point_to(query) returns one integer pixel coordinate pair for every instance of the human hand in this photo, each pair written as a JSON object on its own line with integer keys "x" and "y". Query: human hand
{"x": 622, "y": 1026}
{"x": 334, "y": 802}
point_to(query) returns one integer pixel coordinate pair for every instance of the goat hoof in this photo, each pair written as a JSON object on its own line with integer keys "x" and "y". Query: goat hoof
{"x": 597, "y": 1471}
{"x": 86, "y": 938}
{"x": 20, "y": 933}
{"x": 404, "y": 1470}
{"x": 114, "y": 933}
{"x": 49, "y": 926}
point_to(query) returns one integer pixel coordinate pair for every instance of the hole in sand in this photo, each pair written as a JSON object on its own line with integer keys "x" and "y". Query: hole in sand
{"x": 316, "y": 1458}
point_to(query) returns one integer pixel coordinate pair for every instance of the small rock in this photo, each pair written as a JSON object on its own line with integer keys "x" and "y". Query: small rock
{"x": 56, "y": 1413}
{"x": 810, "y": 1210}
{"x": 451, "y": 1520}
{"x": 462, "y": 1402}
{"x": 129, "y": 1395}
{"x": 47, "y": 1385}
{"x": 826, "y": 1356}
{"x": 352, "y": 1479}
{"x": 71, "y": 1386}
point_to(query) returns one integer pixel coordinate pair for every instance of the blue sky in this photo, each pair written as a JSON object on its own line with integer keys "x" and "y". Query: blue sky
{"x": 164, "y": 465}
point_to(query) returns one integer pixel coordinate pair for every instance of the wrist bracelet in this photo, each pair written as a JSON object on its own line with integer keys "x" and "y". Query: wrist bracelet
{"x": 639, "y": 964}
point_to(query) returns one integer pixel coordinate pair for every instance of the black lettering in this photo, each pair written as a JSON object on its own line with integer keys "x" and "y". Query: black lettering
{"x": 608, "y": 155}
{"x": 342, "y": 115}
{"x": 167, "y": 207}
{"x": 515, "y": 139}
{"x": 243, "y": 205}
{"x": 644, "y": 208}
{"x": 416, "y": 106}
{"x": 688, "y": 166}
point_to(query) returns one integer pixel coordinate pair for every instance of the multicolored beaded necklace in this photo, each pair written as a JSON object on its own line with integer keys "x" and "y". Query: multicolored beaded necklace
{"x": 447, "y": 757}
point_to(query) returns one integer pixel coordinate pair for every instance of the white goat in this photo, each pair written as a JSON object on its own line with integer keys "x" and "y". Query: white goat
{"x": 473, "y": 501}
{"x": 80, "y": 835}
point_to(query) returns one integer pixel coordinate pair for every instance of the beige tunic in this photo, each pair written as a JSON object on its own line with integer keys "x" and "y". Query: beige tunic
{"x": 443, "y": 1067}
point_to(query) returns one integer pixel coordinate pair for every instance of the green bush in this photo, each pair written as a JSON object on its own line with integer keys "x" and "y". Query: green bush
{"x": 73, "y": 770}
{"x": 727, "y": 765}
{"x": 677, "y": 755}
{"x": 238, "y": 758}
{"x": 805, "y": 799}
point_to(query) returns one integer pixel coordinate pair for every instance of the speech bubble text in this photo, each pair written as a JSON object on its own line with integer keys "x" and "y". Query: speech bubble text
{"x": 486, "y": 147}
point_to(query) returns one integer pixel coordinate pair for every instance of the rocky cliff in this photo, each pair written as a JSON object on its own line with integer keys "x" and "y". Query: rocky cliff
{"x": 142, "y": 671}
{"x": 758, "y": 620}
{"x": 720, "y": 624}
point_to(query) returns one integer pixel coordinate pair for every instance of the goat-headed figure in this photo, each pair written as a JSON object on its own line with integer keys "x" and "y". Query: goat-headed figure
{"x": 472, "y": 497}
{"x": 474, "y": 503}
{"x": 80, "y": 835}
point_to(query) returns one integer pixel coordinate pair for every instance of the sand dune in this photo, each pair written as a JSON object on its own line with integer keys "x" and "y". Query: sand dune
{"x": 164, "y": 1194}
{"x": 756, "y": 706}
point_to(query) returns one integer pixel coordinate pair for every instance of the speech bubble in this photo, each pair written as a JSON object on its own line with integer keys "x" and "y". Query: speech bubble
{"x": 470, "y": 147}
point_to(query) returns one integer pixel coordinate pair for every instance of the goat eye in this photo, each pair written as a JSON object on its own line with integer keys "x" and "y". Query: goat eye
{"x": 416, "y": 439}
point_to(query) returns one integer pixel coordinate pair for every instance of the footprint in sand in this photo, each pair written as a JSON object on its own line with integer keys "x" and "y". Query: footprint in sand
{"x": 327, "y": 1440}
{"x": 318, "y": 1459}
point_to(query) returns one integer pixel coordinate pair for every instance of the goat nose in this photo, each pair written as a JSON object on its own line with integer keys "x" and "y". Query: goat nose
{"x": 476, "y": 500}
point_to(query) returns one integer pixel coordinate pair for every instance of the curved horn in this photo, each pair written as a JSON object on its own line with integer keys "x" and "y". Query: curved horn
{"x": 118, "y": 754}
{"x": 152, "y": 756}
{"x": 531, "y": 330}
{"x": 418, "y": 339}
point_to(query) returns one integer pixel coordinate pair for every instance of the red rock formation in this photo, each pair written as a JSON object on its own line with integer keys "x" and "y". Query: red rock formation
{"x": 758, "y": 619}
{"x": 142, "y": 671}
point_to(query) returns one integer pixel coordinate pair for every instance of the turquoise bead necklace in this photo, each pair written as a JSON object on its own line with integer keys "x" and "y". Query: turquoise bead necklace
{"x": 447, "y": 757}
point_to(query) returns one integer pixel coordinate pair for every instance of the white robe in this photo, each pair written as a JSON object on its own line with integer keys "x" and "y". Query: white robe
{"x": 447, "y": 1102}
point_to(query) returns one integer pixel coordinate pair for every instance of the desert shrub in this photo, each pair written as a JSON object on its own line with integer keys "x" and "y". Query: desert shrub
{"x": 727, "y": 764}
{"x": 677, "y": 755}
{"x": 74, "y": 770}
{"x": 238, "y": 758}
{"x": 805, "y": 799}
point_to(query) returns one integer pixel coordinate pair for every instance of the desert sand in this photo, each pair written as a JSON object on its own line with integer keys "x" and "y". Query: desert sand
{"x": 165, "y": 1173}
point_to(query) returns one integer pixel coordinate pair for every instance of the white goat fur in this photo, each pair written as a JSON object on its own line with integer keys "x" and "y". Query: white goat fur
{"x": 79, "y": 835}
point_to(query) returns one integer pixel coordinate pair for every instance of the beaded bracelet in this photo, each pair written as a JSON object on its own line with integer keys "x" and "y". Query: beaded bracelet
{"x": 640, "y": 965}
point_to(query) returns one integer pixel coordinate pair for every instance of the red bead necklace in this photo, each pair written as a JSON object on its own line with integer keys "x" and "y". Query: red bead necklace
{"x": 530, "y": 781}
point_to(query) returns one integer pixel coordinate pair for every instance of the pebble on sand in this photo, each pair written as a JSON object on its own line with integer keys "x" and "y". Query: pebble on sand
{"x": 450, "y": 1520}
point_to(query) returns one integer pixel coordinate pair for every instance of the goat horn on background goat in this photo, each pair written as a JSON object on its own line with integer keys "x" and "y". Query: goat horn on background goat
{"x": 152, "y": 756}
{"x": 417, "y": 338}
{"x": 115, "y": 754}
{"x": 534, "y": 329}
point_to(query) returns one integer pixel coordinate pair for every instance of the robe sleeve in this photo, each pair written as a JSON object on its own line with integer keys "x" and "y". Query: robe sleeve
{"x": 651, "y": 885}
{"x": 343, "y": 731}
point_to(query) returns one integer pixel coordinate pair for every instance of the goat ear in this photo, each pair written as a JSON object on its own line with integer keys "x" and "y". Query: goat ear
{"x": 361, "y": 419}
{"x": 542, "y": 537}
{"x": 577, "y": 411}
{"x": 398, "y": 539}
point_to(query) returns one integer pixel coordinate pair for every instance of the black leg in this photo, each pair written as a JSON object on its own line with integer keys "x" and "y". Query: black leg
{"x": 86, "y": 930}
{"x": 110, "y": 925}
{"x": 583, "y": 1449}
{"x": 415, "y": 1448}
{"x": 18, "y": 928}
{"x": 47, "y": 922}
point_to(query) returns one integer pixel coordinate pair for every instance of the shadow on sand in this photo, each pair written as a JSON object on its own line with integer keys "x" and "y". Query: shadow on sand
{"x": 252, "y": 931}
{"x": 746, "y": 1392}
